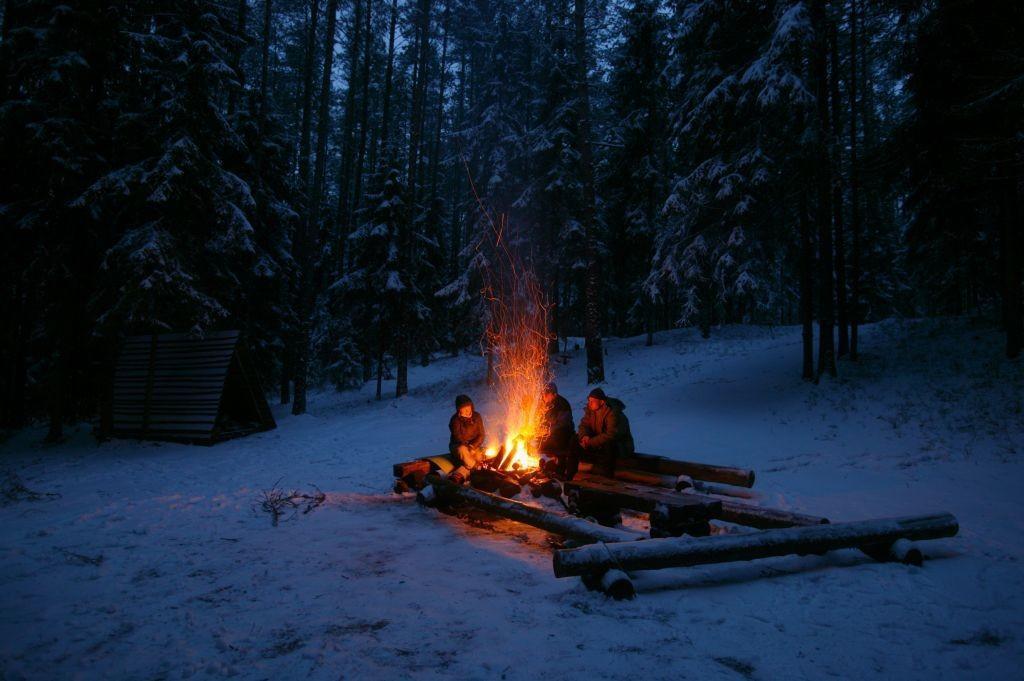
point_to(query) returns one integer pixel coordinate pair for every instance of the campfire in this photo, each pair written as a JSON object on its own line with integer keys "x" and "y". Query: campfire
{"x": 516, "y": 340}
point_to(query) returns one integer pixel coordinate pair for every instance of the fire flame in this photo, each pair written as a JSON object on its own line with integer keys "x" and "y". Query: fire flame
{"x": 516, "y": 339}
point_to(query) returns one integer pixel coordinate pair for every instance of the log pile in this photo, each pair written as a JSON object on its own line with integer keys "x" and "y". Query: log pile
{"x": 679, "y": 498}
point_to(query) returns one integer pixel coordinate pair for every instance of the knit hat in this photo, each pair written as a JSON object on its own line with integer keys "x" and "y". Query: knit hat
{"x": 598, "y": 393}
{"x": 551, "y": 388}
{"x": 462, "y": 400}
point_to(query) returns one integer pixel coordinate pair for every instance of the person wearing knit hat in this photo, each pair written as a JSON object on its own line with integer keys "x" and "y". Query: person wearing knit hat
{"x": 466, "y": 443}
{"x": 557, "y": 431}
{"x": 604, "y": 433}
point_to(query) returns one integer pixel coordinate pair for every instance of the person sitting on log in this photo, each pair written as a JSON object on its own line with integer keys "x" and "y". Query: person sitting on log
{"x": 557, "y": 430}
{"x": 604, "y": 433}
{"x": 467, "y": 439}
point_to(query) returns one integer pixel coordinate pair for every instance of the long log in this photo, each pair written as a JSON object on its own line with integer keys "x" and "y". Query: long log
{"x": 728, "y": 475}
{"x": 760, "y": 517}
{"x": 661, "y": 553}
{"x": 675, "y": 482}
{"x": 567, "y": 526}
{"x": 719, "y": 509}
{"x": 600, "y": 490}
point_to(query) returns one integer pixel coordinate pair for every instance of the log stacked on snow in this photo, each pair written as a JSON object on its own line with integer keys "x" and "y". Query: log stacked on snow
{"x": 670, "y": 514}
{"x": 639, "y": 497}
{"x": 574, "y": 528}
{"x": 650, "y": 463}
{"x": 661, "y": 553}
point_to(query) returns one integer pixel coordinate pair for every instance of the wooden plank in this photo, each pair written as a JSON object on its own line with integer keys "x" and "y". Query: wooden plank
{"x": 654, "y": 554}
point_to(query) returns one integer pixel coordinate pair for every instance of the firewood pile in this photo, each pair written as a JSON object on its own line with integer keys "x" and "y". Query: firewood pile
{"x": 680, "y": 500}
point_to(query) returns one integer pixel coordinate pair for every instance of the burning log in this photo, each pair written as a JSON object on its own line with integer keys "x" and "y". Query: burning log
{"x": 650, "y": 463}
{"x": 661, "y": 553}
{"x": 575, "y": 528}
{"x": 490, "y": 480}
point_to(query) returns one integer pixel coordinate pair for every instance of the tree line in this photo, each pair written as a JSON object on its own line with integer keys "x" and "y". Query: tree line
{"x": 315, "y": 173}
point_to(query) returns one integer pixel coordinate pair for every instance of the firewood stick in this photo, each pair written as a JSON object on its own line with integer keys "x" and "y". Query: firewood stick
{"x": 660, "y": 553}
{"x": 574, "y": 528}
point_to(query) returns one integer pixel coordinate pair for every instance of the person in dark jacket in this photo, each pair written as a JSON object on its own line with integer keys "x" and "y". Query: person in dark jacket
{"x": 604, "y": 433}
{"x": 557, "y": 431}
{"x": 466, "y": 443}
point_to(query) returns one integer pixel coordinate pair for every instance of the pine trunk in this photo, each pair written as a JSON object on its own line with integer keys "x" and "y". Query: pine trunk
{"x": 823, "y": 214}
{"x": 306, "y": 129}
{"x": 364, "y": 107}
{"x": 344, "y": 216}
{"x": 806, "y": 292}
{"x": 842, "y": 317}
{"x": 592, "y": 285}
{"x": 268, "y": 13}
{"x": 854, "y": 302}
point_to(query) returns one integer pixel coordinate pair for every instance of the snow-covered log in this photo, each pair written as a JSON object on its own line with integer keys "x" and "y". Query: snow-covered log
{"x": 676, "y": 482}
{"x": 650, "y": 463}
{"x": 762, "y": 518}
{"x": 567, "y": 526}
{"x": 661, "y": 553}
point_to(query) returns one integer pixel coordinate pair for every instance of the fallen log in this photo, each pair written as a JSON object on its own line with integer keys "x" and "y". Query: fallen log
{"x": 685, "y": 482}
{"x": 650, "y": 463}
{"x": 661, "y": 553}
{"x": 575, "y": 528}
{"x": 597, "y": 490}
{"x": 675, "y": 482}
{"x": 760, "y": 517}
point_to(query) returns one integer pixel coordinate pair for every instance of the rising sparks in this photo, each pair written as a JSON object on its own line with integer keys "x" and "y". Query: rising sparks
{"x": 516, "y": 340}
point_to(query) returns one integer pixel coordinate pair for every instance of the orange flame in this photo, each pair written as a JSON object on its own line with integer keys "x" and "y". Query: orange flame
{"x": 517, "y": 337}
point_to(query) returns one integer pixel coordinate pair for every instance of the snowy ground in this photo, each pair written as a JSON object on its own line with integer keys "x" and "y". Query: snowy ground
{"x": 155, "y": 563}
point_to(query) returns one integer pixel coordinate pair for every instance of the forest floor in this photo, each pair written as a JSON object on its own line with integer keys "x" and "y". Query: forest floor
{"x": 155, "y": 560}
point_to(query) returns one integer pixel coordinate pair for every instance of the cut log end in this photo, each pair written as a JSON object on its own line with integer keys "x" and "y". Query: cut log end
{"x": 617, "y": 584}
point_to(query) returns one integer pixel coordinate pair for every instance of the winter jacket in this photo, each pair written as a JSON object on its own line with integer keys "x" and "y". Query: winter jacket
{"x": 607, "y": 426}
{"x": 468, "y": 432}
{"x": 556, "y": 424}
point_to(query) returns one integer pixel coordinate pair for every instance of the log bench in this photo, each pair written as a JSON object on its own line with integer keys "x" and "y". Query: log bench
{"x": 670, "y": 514}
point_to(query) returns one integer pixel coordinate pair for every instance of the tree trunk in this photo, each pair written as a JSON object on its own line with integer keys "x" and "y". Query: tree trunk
{"x": 268, "y": 13}
{"x": 854, "y": 303}
{"x": 364, "y": 107}
{"x": 592, "y": 287}
{"x": 236, "y": 58}
{"x": 823, "y": 173}
{"x": 806, "y": 292}
{"x": 389, "y": 73}
{"x": 406, "y": 244}
{"x": 344, "y": 212}
{"x": 837, "y": 197}
{"x": 308, "y": 226}
{"x": 307, "y": 96}
{"x": 323, "y": 120}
